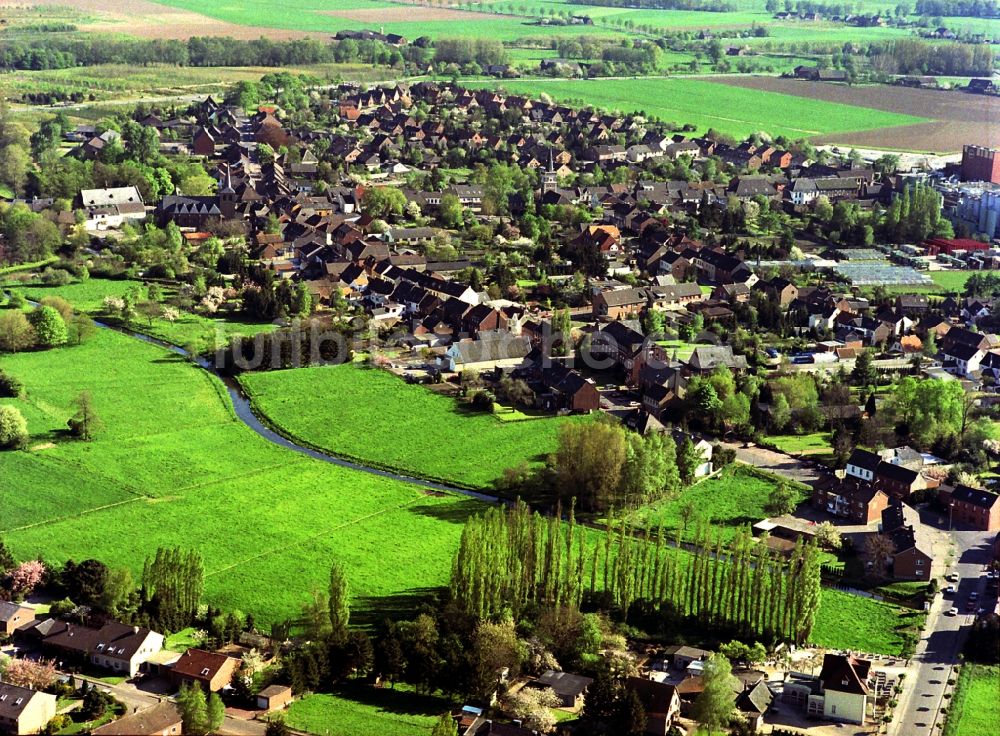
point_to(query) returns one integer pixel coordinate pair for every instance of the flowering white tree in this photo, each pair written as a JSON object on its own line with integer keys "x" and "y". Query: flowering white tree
{"x": 214, "y": 299}
{"x": 170, "y": 314}
{"x": 534, "y": 706}
{"x": 113, "y": 304}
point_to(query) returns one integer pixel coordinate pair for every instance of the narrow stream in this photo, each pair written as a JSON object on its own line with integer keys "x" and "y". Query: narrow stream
{"x": 244, "y": 412}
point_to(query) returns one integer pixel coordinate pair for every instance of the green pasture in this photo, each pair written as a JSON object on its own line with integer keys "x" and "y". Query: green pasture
{"x": 975, "y": 707}
{"x": 733, "y": 498}
{"x": 374, "y": 417}
{"x": 731, "y": 110}
{"x": 173, "y": 467}
{"x": 846, "y": 621}
{"x": 364, "y": 710}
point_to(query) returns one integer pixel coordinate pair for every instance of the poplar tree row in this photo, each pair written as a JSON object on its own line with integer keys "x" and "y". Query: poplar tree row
{"x": 510, "y": 559}
{"x": 172, "y": 584}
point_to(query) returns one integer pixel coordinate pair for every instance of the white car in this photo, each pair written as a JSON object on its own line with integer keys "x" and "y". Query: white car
{"x": 953, "y": 611}
{"x": 951, "y": 577}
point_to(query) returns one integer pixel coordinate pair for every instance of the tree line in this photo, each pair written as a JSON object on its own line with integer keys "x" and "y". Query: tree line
{"x": 706, "y": 6}
{"x": 510, "y": 560}
{"x": 63, "y": 52}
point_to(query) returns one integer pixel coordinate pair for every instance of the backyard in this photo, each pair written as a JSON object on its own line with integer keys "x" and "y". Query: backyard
{"x": 365, "y": 710}
{"x": 733, "y": 498}
{"x": 847, "y": 621}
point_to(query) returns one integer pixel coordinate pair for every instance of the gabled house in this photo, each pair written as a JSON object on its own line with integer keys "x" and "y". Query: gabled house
{"x": 570, "y": 390}
{"x": 13, "y": 616}
{"x": 209, "y": 670}
{"x": 163, "y": 719}
{"x": 489, "y": 351}
{"x": 660, "y": 701}
{"x": 24, "y": 711}
{"x": 113, "y": 646}
{"x": 975, "y": 508}
{"x": 569, "y": 688}
{"x": 840, "y": 693}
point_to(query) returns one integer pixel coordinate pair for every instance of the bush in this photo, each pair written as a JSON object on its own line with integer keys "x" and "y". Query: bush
{"x": 10, "y": 387}
{"x": 16, "y": 333}
{"x": 13, "y": 428}
{"x": 482, "y": 400}
{"x": 56, "y": 277}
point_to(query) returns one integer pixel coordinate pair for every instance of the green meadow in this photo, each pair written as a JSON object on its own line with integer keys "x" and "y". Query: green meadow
{"x": 362, "y": 710}
{"x": 314, "y": 15}
{"x": 174, "y": 467}
{"x": 731, "y": 110}
{"x": 846, "y": 621}
{"x": 975, "y": 708}
{"x": 372, "y": 416}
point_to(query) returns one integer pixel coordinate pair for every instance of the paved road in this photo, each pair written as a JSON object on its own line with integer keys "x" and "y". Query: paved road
{"x": 937, "y": 651}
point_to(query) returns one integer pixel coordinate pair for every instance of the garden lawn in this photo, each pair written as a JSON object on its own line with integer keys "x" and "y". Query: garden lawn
{"x": 358, "y": 711}
{"x": 975, "y": 707}
{"x": 174, "y": 467}
{"x": 846, "y": 621}
{"x": 733, "y": 498}
{"x": 372, "y": 416}
{"x": 802, "y": 444}
{"x": 733, "y": 110}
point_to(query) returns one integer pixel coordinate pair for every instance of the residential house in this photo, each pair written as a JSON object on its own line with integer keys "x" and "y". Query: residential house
{"x": 660, "y": 701}
{"x": 569, "y": 688}
{"x": 680, "y": 657}
{"x": 489, "y": 351}
{"x": 861, "y": 502}
{"x": 862, "y": 464}
{"x": 975, "y": 508}
{"x": 111, "y": 207}
{"x": 570, "y": 390}
{"x": 840, "y": 693}
{"x": 13, "y": 616}
{"x": 113, "y": 646}
{"x": 163, "y": 719}
{"x": 23, "y": 710}
{"x": 209, "y": 670}
{"x": 910, "y": 560}
{"x": 754, "y": 702}
{"x": 706, "y": 358}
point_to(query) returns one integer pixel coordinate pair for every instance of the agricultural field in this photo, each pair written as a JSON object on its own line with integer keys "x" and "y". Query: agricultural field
{"x": 318, "y": 16}
{"x": 951, "y": 118}
{"x": 374, "y": 417}
{"x": 733, "y": 498}
{"x": 975, "y": 708}
{"x": 173, "y": 466}
{"x": 358, "y": 710}
{"x": 846, "y": 621}
{"x": 736, "y": 111}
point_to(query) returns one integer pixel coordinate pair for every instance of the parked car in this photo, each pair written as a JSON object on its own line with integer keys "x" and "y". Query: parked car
{"x": 970, "y": 605}
{"x": 950, "y": 590}
{"x": 951, "y": 577}
{"x": 952, "y": 611}
{"x": 974, "y": 595}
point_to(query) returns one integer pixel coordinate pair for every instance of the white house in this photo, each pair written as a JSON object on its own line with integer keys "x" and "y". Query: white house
{"x": 862, "y": 465}
{"x": 24, "y": 711}
{"x": 491, "y": 350}
{"x": 111, "y": 208}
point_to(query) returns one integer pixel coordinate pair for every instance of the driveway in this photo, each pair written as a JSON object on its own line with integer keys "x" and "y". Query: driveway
{"x": 937, "y": 651}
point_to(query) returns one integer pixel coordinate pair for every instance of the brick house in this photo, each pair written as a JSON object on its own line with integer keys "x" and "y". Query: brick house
{"x": 14, "y": 615}
{"x": 848, "y": 498}
{"x": 975, "y": 508}
{"x": 210, "y": 670}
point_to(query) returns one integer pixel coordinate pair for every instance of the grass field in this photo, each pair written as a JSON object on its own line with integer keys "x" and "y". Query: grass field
{"x": 945, "y": 282}
{"x": 733, "y": 498}
{"x": 88, "y": 296}
{"x": 846, "y": 621}
{"x": 316, "y": 15}
{"x": 360, "y": 710}
{"x": 804, "y": 444}
{"x": 732, "y": 110}
{"x": 372, "y": 416}
{"x": 975, "y": 708}
{"x": 173, "y": 466}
